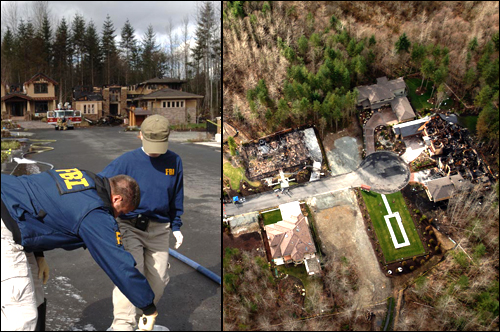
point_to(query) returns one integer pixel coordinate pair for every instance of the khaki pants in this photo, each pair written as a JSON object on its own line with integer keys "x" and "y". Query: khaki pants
{"x": 150, "y": 251}
{"x": 22, "y": 291}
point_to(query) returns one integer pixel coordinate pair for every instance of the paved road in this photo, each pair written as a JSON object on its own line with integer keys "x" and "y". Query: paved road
{"x": 384, "y": 171}
{"x": 79, "y": 292}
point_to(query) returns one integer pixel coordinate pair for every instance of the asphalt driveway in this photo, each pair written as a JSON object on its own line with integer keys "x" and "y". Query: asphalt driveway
{"x": 384, "y": 171}
{"x": 79, "y": 292}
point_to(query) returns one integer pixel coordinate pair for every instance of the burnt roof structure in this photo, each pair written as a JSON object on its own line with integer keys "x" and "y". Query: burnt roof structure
{"x": 284, "y": 150}
{"x": 452, "y": 146}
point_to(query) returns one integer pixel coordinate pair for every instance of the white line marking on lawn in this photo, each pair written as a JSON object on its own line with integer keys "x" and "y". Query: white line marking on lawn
{"x": 396, "y": 215}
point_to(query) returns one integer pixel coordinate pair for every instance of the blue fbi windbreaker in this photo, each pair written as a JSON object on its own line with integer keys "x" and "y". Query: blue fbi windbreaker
{"x": 161, "y": 183}
{"x": 62, "y": 209}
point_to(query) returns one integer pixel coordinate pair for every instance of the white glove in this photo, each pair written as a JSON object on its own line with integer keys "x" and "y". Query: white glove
{"x": 147, "y": 323}
{"x": 178, "y": 238}
{"x": 43, "y": 269}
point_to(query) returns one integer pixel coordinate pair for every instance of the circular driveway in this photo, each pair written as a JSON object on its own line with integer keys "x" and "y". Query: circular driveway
{"x": 384, "y": 171}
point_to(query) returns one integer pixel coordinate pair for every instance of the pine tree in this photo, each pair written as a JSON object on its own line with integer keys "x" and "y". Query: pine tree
{"x": 108, "y": 48}
{"x": 403, "y": 44}
{"x": 204, "y": 36}
{"x": 128, "y": 45}
{"x": 92, "y": 59}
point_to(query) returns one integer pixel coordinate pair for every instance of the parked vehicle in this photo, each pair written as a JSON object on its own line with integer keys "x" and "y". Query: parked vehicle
{"x": 64, "y": 117}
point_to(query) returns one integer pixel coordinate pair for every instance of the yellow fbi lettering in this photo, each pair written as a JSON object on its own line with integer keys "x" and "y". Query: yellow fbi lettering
{"x": 169, "y": 171}
{"x": 72, "y": 177}
{"x": 118, "y": 238}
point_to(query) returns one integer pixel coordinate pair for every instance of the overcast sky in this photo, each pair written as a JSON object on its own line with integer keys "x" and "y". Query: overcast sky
{"x": 140, "y": 14}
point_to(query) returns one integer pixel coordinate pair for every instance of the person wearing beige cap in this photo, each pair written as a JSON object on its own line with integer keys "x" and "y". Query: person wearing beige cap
{"x": 146, "y": 230}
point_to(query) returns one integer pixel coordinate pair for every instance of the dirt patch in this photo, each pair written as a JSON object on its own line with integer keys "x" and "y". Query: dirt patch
{"x": 342, "y": 232}
{"x": 354, "y": 130}
{"x": 247, "y": 241}
{"x": 290, "y": 289}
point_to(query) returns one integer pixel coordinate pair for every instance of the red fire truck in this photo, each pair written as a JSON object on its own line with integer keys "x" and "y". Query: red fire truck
{"x": 64, "y": 113}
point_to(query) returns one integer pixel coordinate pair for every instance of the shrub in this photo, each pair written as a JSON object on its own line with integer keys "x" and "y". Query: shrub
{"x": 436, "y": 248}
{"x": 404, "y": 263}
{"x": 427, "y": 228}
{"x": 422, "y": 262}
{"x": 414, "y": 258}
{"x": 412, "y": 267}
{"x": 431, "y": 241}
{"x": 431, "y": 232}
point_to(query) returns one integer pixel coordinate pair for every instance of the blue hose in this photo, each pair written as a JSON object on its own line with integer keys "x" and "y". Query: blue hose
{"x": 195, "y": 265}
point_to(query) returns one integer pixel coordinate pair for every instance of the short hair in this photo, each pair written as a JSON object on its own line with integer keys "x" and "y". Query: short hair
{"x": 126, "y": 187}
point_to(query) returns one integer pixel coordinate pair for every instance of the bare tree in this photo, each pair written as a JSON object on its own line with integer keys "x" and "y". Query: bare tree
{"x": 186, "y": 42}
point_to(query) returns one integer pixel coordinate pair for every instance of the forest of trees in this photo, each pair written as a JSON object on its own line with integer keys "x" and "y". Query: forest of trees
{"x": 76, "y": 53}
{"x": 292, "y": 63}
{"x": 287, "y": 64}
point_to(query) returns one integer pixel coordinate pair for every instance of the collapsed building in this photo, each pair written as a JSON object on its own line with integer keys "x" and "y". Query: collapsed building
{"x": 452, "y": 146}
{"x": 287, "y": 150}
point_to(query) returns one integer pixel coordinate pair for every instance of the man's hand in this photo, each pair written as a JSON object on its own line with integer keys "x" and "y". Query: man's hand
{"x": 146, "y": 323}
{"x": 178, "y": 238}
{"x": 43, "y": 269}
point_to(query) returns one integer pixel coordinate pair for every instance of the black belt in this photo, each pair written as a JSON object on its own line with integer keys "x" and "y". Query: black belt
{"x": 141, "y": 222}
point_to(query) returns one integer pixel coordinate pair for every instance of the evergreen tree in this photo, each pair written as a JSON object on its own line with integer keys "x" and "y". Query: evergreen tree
{"x": 128, "y": 46}
{"x": 204, "y": 36}
{"x": 78, "y": 42}
{"x": 62, "y": 59}
{"x": 92, "y": 58}
{"x": 403, "y": 44}
{"x": 109, "y": 51}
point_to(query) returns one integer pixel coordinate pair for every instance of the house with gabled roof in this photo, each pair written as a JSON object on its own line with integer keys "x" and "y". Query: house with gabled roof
{"x": 387, "y": 93}
{"x": 290, "y": 240}
{"x": 30, "y": 99}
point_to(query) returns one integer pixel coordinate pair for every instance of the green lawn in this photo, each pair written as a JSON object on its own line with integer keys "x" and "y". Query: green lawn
{"x": 419, "y": 102}
{"x": 235, "y": 175}
{"x": 272, "y": 217}
{"x": 377, "y": 213}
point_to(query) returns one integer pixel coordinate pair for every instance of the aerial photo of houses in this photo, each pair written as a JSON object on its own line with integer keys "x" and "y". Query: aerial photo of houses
{"x": 360, "y": 166}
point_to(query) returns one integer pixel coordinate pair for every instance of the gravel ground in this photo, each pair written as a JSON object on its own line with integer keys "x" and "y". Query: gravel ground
{"x": 342, "y": 232}
{"x": 345, "y": 157}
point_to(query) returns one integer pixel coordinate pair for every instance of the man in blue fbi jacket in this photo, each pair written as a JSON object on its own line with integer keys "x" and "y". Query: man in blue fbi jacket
{"x": 69, "y": 209}
{"x": 146, "y": 230}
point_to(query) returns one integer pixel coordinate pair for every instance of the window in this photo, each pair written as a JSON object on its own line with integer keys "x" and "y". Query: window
{"x": 164, "y": 104}
{"x": 41, "y": 88}
{"x": 168, "y": 103}
{"x": 182, "y": 103}
{"x": 177, "y": 104}
{"x": 84, "y": 109}
{"x": 93, "y": 110}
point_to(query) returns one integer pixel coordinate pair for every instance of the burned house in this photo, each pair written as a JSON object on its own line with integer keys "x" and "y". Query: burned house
{"x": 452, "y": 146}
{"x": 287, "y": 150}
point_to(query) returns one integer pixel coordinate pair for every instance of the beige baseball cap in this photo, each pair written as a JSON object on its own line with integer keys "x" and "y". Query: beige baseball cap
{"x": 155, "y": 131}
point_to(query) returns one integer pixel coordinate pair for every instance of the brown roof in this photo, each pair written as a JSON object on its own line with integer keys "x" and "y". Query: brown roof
{"x": 16, "y": 95}
{"x": 440, "y": 189}
{"x": 290, "y": 238}
{"x": 402, "y": 108}
{"x": 41, "y": 75}
{"x": 141, "y": 111}
{"x": 383, "y": 90}
{"x": 168, "y": 94}
{"x": 162, "y": 80}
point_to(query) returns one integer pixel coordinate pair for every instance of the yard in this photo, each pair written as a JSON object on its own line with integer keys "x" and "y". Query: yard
{"x": 377, "y": 211}
{"x": 272, "y": 217}
{"x": 235, "y": 175}
{"x": 418, "y": 102}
